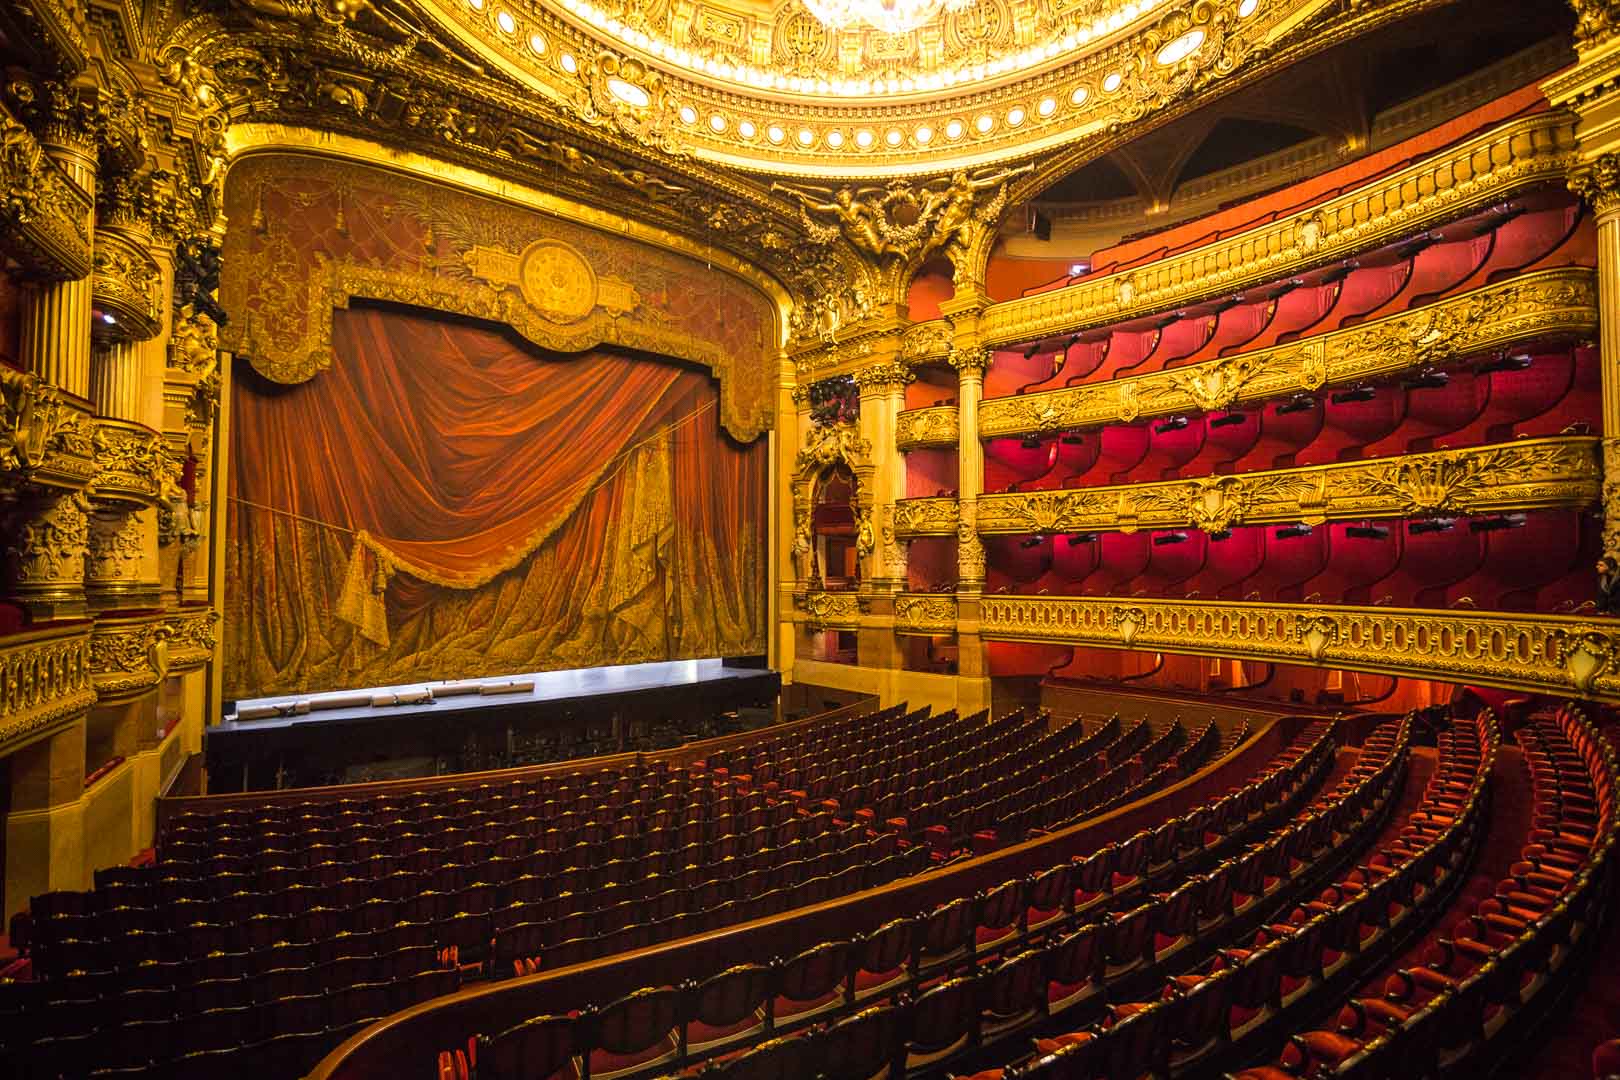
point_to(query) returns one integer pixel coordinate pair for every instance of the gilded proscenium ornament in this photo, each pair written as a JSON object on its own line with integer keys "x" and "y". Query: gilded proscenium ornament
{"x": 1561, "y": 470}
{"x": 44, "y": 436}
{"x": 191, "y": 639}
{"x": 924, "y": 613}
{"x": 127, "y": 289}
{"x": 128, "y": 657}
{"x": 1560, "y": 302}
{"x": 43, "y": 215}
{"x": 924, "y": 517}
{"x": 1491, "y": 167}
{"x": 1554, "y": 653}
{"x": 44, "y": 683}
{"x": 935, "y": 426}
{"x": 832, "y": 444}
{"x": 130, "y": 460}
{"x": 831, "y": 610}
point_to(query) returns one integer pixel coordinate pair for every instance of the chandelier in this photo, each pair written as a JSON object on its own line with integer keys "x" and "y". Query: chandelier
{"x": 889, "y": 16}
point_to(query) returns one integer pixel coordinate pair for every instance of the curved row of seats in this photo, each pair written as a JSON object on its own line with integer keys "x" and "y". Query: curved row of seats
{"x": 1056, "y": 908}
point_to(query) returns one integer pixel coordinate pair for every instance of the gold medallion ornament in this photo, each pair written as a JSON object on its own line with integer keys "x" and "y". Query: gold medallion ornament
{"x": 554, "y": 279}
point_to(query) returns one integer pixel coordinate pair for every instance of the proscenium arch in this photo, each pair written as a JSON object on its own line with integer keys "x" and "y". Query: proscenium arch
{"x": 334, "y": 284}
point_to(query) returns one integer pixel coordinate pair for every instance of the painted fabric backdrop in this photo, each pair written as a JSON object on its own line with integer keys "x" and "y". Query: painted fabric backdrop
{"x": 449, "y": 501}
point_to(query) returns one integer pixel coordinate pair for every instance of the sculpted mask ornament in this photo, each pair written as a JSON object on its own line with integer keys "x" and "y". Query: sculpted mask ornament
{"x": 195, "y": 344}
{"x": 832, "y": 444}
{"x": 1217, "y": 503}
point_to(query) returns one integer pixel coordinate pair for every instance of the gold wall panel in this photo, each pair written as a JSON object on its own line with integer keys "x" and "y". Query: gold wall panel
{"x": 44, "y": 683}
{"x": 1557, "y": 654}
{"x": 1562, "y": 302}
{"x": 925, "y": 517}
{"x": 1561, "y": 470}
{"x": 1533, "y": 150}
{"x": 915, "y": 429}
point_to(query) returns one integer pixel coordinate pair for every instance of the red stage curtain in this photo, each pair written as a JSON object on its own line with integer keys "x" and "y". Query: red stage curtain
{"x": 475, "y": 504}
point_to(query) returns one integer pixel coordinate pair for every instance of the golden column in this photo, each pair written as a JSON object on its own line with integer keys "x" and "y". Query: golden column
{"x": 883, "y": 395}
{"x": 970, "y": 363}
{"x": 1598, "y": 182}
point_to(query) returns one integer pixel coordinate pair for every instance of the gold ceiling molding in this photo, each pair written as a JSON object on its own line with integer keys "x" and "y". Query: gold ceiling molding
{"x": 1488, "y": 168}
{"x": 1561, "y": 302}
{"x": 44, "y": 683}
{"x": 918, "y": 429}
{"x": 993, "y": 114}
{"x": 935, "y": 516}
{"x": 1522, "y": 475}
{"x": 1560, "y": 654}
{"x": 924, "y": 613}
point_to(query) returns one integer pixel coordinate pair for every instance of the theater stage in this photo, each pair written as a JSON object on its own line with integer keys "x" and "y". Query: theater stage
{"x": 440, "y": 727}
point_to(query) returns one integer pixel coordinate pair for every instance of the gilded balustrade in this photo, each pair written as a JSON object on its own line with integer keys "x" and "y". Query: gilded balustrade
{"x": 1486, "y": 169}
{"x": 128, "y": 656}
{"x": 1559, "y": 654}
{"x": 44, "y": 683}
{"x": 830, "y": 610}
{"x": 925, "y": 613}
{"x": 1562, "y": 302}
{"x": 918, "y": 429}
{"x": 44, "y": 217}
{"x": 925, "y": 517}
{"x": 1562, "y": 470}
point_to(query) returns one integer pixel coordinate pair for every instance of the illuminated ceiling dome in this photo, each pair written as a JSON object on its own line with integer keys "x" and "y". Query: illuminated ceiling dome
{"x": 853, "y": 88}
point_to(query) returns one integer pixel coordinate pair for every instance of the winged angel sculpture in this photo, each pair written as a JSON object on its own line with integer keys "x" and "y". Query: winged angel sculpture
{"x": 900, "y": 220}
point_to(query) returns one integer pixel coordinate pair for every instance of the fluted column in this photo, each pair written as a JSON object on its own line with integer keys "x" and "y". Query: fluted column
{"x": 882, "y": 388}
{"x": 1598, "y": 183}
{"x": 970, "y": 364}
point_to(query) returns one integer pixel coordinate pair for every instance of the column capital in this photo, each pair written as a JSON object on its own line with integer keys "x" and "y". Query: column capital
{"x": 1598, "y": 182}
{"x": 878, "y": 378}
{"x": 970, "y": 361}
{"x": 1596, "y": 21}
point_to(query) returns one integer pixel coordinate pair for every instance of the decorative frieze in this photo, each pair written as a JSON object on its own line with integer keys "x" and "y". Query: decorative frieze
{"x": 45, "y": 437}
{"x": 926, "y": 341}
{"x": 924, "y": 613}
{"x": 44, "y": 683}
{"x": 831, "y": 610}
{"x": 1562, "y": 470}
{"x": 128, "y": 657}
{"x": 916, "y": 429}
{"x": 1557, "y": 654}
{"x": 924, "y": 517}
{"x": 47, "y": 538}
{"x": 130, "y": 460}
{"x": 1559, "y": 302}
{"x": 1483, "y": 170}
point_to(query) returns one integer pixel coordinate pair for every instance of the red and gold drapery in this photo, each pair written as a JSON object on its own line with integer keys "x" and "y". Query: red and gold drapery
{"x": 448, "y": 501}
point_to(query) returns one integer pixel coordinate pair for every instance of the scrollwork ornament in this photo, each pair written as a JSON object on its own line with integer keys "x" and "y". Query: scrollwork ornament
{"x": 969, "y": 549}
{"x": 49, "y": 542}
{"x": 970, "y": 361}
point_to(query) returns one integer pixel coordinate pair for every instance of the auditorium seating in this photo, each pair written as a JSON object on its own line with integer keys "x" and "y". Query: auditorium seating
{"x": 920, "y": 989}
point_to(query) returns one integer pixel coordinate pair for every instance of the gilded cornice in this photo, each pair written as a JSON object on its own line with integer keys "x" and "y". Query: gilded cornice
{"x": 1523, "y": 152}
{"x": 1522, "y": 475}
{"x": 130, "y": 461}
{"x": 1557, "y": 654}
{"x": 191, "y": 639}
{"x": 43, "y": 214}
{"x": 45, "y": 436}
{"x": 44, "y": 683}
{"x": 830, "y": 610}
{"x": 128, "y": 657}
{"x": 924, "y": 517}
{"x": 915, "y": 429}
{"x": 924, "y": 613}
{"x": 1561, "y": 302}
{"x": 128, "y": 286}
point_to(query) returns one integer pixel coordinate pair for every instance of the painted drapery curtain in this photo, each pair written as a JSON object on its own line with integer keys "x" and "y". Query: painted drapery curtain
{"x": 448, "y": 501}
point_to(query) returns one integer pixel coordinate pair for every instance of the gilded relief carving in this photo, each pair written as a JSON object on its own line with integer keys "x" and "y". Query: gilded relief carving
{"x": 130, "y": 460}
{"x": 918, "y": 428}
{"x": 43, "y": 215}
{"x": 1548, "y": 302}
{"x": 925, "y": 517}
{"x": 923, "y": 613}
{"x": 128, "y": 656}
{"x": 44, "y": 440}
{"x": 926, "y": 341}
{"x": 1555, "y": 471}
{"x": 831, "y": 610}
{"x": 44, "y": 682}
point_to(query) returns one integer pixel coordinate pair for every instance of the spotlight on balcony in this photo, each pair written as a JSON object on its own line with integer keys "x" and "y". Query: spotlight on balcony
{"x": 1419, "y": 528}
{"x": 1082, "y": 538}
{"x": 1367, "y": 532}
{"x": 1030, "y": 442}
{"x": 1219, "y": 535}
{"x": 1297, "y": 403}
{"x": 1228, "y": 420}
{"x": 1164, "y": 539}
{"x": 1427, "y": 379}
{"x": 1517, "y": 362}
{"x": 1032, "y": 542}
{"x": 1293, "y": 532}
{"x": 1497, "y": 523}
{"x": 1354, "y": 394}
{"x": 1073, "y": 438}
{"x": 1175, "y": 423}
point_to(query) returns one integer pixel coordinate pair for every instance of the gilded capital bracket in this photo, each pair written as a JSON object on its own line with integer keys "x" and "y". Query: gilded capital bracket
{"x": 1598, "y": 183}
{"x": 877, "y": 378}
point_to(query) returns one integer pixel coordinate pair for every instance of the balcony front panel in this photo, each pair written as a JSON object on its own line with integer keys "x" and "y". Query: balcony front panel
{"x": 924, "y": 517}
{"x": 917, "y": 429}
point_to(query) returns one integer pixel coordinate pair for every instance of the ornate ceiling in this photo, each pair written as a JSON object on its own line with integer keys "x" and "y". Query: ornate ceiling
{"x": 766, "y": 87}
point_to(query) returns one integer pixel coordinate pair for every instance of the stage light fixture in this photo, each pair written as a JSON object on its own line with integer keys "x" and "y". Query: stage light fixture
{"x": 1030, "y": 442}
{"x": 1220, "y": 534}
{"x": 1367, "y": 532}
{"x": 1175, "y": 423}
{"x": 1516, "y": 362}
{"x": 1355, "y": 393}
{"x": 1072, "y": 438}
{"x": 1438, "y": 525}
{"x": 1164, "y": 539}
{"x": 1293, "y": 532}
{"x": 1297, "y": 403}
{"x": 1082, "y": 538}
{"x": 1497, "y": 523}
{"x": 1228, "y": 420}
{"x": 1428, "y": 379}
{"x": 1031, "y": 542}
